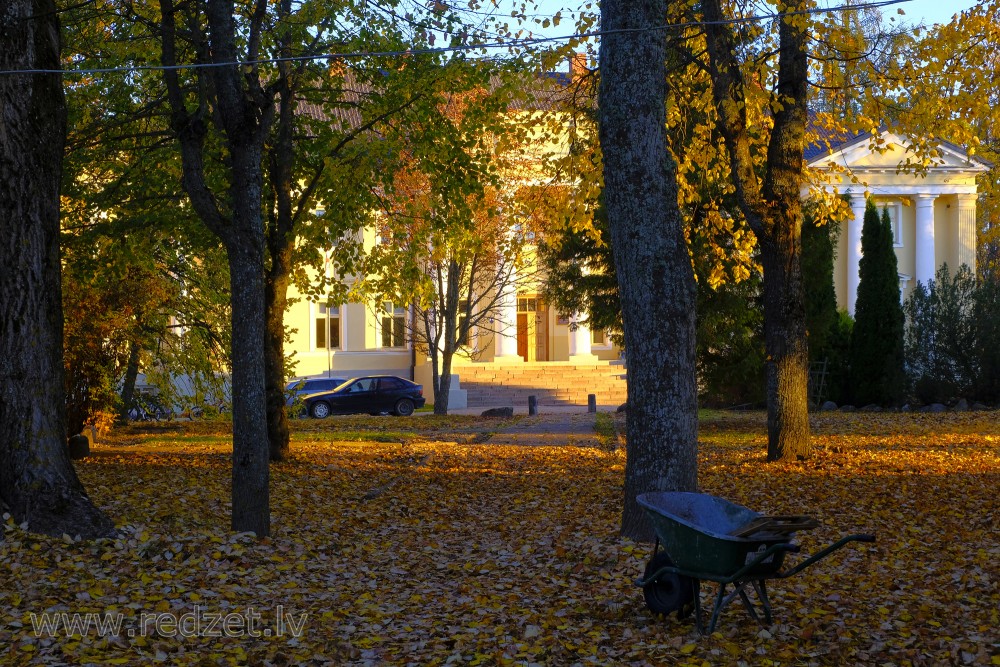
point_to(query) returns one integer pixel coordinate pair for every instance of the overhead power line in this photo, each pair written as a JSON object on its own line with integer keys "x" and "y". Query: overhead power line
{"x": 511, "y": 44}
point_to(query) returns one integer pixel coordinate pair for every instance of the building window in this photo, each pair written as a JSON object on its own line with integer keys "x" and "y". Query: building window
{"x": 528, "y": 304}
{"x": 327, "y": 327}
{"x": 393, "y": 325}
{"x": 597, "y": 337}
{"x": 464, "y": 339}
{"x": 893, "y": 208}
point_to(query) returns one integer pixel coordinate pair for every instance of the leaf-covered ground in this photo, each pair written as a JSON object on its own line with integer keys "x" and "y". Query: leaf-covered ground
{"x": 419, "y": 542}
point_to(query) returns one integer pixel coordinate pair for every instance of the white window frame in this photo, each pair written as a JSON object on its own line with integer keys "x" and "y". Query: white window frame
{"x": 599, "y": 343}
{"x": 390, "y": 311}
{"x": 895, "y": 209}
{"x": 321, "y": 311}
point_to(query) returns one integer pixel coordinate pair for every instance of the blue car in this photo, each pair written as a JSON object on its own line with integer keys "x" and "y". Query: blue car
{"x": 372, "y": 394}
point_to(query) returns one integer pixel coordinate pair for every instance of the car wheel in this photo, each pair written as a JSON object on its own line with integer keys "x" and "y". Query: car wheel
{"x": 404, "y": 407}
{"x": 670, "y": 592}
{"x": 320, "y": 410}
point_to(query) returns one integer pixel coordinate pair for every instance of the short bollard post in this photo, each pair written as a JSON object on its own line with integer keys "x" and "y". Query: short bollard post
{"x": 591, "y": 402}
{"x": 532, "y": 405}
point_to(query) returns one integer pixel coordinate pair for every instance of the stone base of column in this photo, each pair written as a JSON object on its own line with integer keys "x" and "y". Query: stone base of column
{"x": 508, "y": 359}
{"x": 584, "y": 358}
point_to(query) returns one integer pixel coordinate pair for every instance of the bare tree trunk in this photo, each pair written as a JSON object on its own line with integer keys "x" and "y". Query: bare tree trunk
{"x": 442, "y": 390}
{"x": 242, "y": 111}
{"x": 277, "y": 300}
{"x": 656, "y": 281}
{"x": 774, "y": 211}
{"x": 131, "y": 375}
{"x": 280, "y": 245}
{"x": 250, "y": 455}
{"x": 37, "y": 481}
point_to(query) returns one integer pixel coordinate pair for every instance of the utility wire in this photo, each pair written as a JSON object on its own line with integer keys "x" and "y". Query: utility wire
{"x": 515, "y": 43}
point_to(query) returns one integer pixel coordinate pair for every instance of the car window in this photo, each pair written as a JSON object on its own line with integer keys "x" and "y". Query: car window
{"x": 365, "y": 384}
{"x": 390, "y": 384}
{"x": 327, "y": 385}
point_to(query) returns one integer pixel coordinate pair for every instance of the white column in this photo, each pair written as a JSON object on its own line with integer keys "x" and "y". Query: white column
{"x": 854, "y": 249}
{"x": 579, "y": 341}
{"x": 967, "y": 231}
{"x": 505, "y": 325}
{"x": 925, "y": 264}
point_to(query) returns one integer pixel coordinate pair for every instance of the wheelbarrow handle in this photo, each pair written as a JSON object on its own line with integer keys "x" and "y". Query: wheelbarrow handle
{"x": 823, "y": 554}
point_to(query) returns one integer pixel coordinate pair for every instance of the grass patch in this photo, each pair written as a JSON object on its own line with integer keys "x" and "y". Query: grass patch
{"x": 607, "y": 433}
{"x": 353, "y": 436}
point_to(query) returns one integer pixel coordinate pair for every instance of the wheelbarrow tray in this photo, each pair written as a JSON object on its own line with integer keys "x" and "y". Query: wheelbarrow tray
{"x": 696, "y": 530}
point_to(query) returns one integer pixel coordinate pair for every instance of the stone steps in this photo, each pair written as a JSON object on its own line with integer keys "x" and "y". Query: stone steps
{"x": 553, "y": 383}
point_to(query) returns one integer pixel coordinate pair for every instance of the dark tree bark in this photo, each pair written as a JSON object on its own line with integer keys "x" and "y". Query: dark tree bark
{"x": 773, "y": 209}
{"x": 242, "y": 112}
{"x": 37, "y": 481}
{"x": 656, "y": 281}
{"x": 280, "y": 245}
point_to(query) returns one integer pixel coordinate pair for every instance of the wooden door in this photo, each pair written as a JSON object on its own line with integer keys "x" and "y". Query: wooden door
{"x": 542, "y": 334}
{"x": 522, "y": 335}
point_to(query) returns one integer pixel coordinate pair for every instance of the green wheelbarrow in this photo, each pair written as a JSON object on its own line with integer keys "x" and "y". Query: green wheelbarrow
{"x": 705, "y": 538}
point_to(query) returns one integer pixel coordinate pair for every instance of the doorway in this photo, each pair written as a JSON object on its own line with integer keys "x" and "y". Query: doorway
{"x": 532, "y": 328}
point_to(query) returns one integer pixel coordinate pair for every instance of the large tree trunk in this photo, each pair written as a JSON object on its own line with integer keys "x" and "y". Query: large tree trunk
{"x": 276, "y": 302}
{"x": 243, "y": 114}
{"x": 787, "y": 348}
{"x": 250, "y": 454}
{"x": 245, "y": 250}
{"x": 774, "y": 212}
{"x": 781, "y": 256}
{"x": 280, "y": 246}
{"x": 37, "y": 481}
{"x": 656, "y": 281}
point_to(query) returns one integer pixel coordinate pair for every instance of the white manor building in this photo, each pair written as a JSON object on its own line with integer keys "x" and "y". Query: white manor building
{"x": 540, "y": 351}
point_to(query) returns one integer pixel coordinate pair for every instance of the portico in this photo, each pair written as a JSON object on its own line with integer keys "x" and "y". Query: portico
{"x": 933, "y": 214}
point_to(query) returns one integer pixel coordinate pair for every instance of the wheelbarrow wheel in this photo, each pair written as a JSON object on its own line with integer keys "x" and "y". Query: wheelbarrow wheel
{"x": 669, "y": 592}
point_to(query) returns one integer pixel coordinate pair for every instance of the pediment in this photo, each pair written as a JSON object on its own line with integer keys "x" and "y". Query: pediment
{"x": 861, "y": 154}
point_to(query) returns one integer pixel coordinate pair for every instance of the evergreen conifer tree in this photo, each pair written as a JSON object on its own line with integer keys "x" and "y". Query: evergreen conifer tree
{"x": 817, "y": 278}
{"x": 877, "y": 339}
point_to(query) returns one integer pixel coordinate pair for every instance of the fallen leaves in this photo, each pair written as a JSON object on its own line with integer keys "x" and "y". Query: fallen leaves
{"x": 488, "y": 554}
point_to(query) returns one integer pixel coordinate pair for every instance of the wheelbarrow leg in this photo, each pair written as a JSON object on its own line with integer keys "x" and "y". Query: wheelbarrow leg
{"x": 721, "y": 602}
{"x": 761, "y": 589}
{"x": 697, "y": 607}
{"x": 765, "y": 604}
{"x": 741, "y": 588}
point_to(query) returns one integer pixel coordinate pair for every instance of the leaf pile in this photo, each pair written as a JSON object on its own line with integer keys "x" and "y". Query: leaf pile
{"x": 489, "y": 554}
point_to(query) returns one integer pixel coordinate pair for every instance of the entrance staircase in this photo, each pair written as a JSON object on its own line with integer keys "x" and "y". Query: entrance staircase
{"x": 553, "y": 383}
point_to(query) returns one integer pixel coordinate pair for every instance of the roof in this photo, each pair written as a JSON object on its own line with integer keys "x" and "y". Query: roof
{"x": 830, "y": 141}
{"x": 544, "y": 92}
